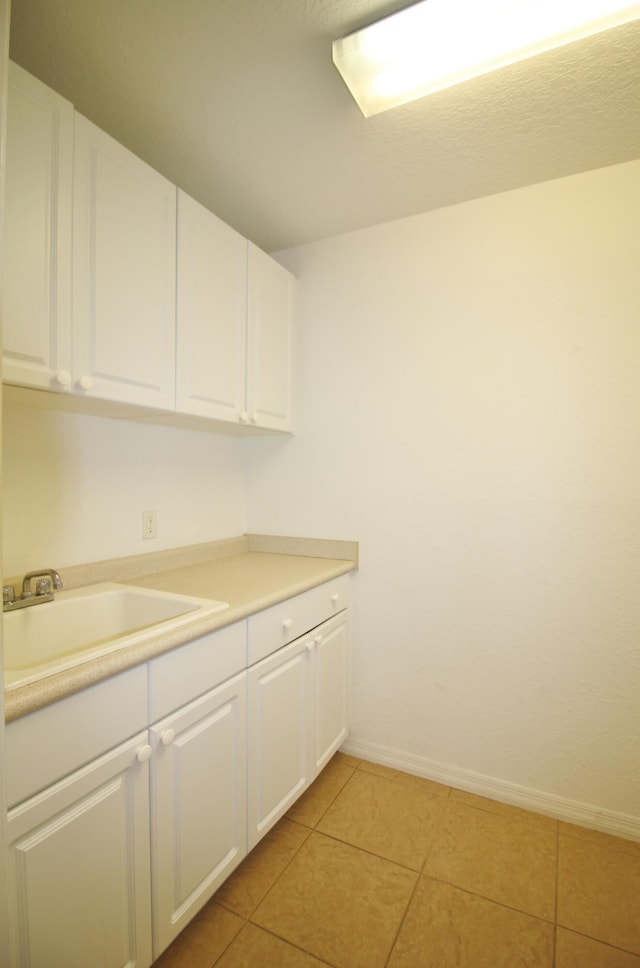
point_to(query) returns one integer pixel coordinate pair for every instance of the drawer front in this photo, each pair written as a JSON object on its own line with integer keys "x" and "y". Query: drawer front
{"x": 328, "y": 600}
{"x": 277, "y": 626}
{"x": 52, "y": 742}
{"x": 187, "y": 672}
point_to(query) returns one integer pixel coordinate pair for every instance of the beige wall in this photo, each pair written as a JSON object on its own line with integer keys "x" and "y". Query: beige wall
{"x": 470, "y": 411}
{"x": 75, "y": 487}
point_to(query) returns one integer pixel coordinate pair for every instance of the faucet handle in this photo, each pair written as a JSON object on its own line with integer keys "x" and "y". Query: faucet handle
{"x": 8, "y": 594}
{"x": 43, "y": 586}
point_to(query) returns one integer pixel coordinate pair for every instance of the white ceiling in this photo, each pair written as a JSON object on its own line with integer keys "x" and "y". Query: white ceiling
{"x": 238, "y": 103}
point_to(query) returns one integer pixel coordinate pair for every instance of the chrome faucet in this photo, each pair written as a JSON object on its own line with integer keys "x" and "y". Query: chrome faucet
{"x": 48, "y": 579}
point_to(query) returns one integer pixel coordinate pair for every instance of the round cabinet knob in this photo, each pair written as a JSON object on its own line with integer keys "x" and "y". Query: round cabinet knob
{"x": 168, "y": 737}
{"x": 63, "y": 378}
{"x": 317, "y": 639}
{"x": 85, "y": 383}
{"x": 287, "y": 624}
{"x": 143, "y": 754}
{"x": 335, "y": 598}
{"x": 309, "y": 646}
{"x": 244, "y": 417}
{"x": 253, "y": 418}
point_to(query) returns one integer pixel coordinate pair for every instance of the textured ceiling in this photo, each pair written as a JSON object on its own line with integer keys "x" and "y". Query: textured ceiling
{"x": 238, "y": 103}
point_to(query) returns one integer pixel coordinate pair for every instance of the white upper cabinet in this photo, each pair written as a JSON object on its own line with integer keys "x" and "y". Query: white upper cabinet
{"x": 235, "y": 325}
{"x": 124, "y": 274}
{"x": 36, "y": 291}
{"x": 112, "y": 295}
{"x": 212, "y": 315}
{"x": 270, "y": 342}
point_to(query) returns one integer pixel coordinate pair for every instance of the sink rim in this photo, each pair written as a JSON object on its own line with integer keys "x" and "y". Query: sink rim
{"x": 16, "y": 677}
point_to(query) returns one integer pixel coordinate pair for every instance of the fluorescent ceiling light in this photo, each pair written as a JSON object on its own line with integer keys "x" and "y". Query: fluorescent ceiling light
{"x": 438, "y": 43}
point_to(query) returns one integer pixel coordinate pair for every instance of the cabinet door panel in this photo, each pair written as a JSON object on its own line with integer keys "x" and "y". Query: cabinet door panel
{"x": 124, "y": 273}
{"x": 270, "y": 343}
{"x": 79, "y": 868}
{"x": 279, "y": 735}
{"x": 198, "y": 804}
{"x": 330, "y": 688}
{"x": 36, "y": 294}
{"x": 212, "y": 314}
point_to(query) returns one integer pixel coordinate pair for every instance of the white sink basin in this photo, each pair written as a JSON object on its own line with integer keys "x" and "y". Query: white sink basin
{"x": 77, "y": 625}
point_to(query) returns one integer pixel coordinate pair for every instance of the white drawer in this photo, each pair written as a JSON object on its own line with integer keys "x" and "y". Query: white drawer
{"x": 328, "y": 599}
{"x": 52, "y": 742}
{"x": 277, "y": 626}
{"x": 190, "y": 670}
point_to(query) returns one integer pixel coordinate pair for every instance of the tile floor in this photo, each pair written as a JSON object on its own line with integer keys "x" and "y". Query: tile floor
{"x": 373, "y": 868}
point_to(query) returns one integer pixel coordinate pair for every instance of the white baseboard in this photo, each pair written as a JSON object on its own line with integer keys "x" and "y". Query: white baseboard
{"x": 572, "y": 811}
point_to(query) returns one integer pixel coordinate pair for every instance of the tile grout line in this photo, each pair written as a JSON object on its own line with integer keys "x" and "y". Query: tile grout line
{"x": 420, "y": 875}
{"x": 248, "y": 919}
{"x": 365, "y": 850}
{"x": 227, "y": 946}
{"x": 369, "y": 853}
{"x": 485, "y": 897}
{"x": 287, "y": 941}
{"x": 604, "y": 944}
{"x": 491, "y": 900}
{"x": 310, "y": 831}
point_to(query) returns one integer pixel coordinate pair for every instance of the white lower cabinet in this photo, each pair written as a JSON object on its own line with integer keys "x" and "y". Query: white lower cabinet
{"x": 198, "y": 805}
{"x": 115, "y": 842}
{"x": 79, "y": 867}
{"x": 297, "y": 720}
{"x": 330, "y": 684}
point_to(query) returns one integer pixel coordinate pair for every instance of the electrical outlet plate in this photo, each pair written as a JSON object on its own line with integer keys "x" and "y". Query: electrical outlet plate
{"x": 149, "y": 524}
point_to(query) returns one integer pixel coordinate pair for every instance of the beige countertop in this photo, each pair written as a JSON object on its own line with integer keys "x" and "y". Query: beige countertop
{"x": 249, "y": 580}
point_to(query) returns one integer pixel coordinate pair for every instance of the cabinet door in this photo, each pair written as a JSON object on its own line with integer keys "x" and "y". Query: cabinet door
{"x": 212, "y": 315}
{"x": 270, "y": 343}
{"x": 198, "y": 804}
{"x": 36, "y": 292}
{"x": 124, "y": 274}
{"x": 330, "y": 683}
{"x": 79, "y": 868}
{"x": 280, "y": 767}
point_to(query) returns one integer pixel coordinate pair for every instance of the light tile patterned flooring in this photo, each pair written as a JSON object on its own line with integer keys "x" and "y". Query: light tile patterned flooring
{"x": 373, "y": 868}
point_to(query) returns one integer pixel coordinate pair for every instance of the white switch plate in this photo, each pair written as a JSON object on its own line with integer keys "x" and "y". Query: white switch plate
{"x": 149, "y": 524}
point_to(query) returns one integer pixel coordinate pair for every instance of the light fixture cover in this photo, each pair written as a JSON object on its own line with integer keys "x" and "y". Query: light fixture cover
{"x": 438, "y": 43}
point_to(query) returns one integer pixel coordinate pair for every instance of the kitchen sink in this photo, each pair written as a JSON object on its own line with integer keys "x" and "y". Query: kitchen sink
{"x": 89, "y": 622}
